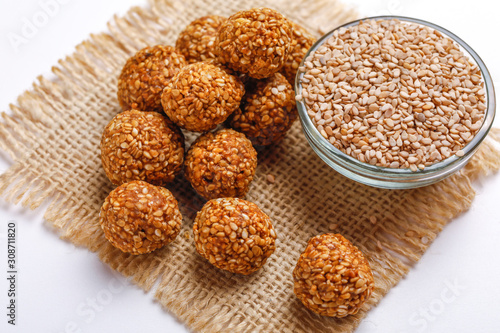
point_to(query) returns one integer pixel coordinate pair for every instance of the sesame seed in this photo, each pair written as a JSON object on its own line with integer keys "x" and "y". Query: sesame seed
{"x": 406, "y": 97}
{"x": 270, "y": 178}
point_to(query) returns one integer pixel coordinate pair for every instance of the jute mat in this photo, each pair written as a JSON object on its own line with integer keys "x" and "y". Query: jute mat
{"x": 52, "y": 139}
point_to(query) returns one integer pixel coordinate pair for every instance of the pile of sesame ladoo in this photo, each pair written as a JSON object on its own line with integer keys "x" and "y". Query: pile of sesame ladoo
{"x": 241, "y": 70}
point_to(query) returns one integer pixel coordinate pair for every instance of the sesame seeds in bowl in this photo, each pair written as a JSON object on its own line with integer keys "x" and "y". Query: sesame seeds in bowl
{"x": 394, "y": 102}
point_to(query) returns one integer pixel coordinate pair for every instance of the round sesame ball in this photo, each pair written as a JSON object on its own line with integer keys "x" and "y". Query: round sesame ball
{"x": 332, "y": 277}
{"x": 197, "y": 41}
{"x": 255, "y": 42}
{"x": 234, "y": 235}
{"x": 221, "y": 164}
{"x": 267, "y": 110}
{"x": 145, "y": 75}
{"x": 139, "y": 218}
{"x": 139, "y": 145}
{"x": 201, "y": 96}
{"x": 301, "y": 42}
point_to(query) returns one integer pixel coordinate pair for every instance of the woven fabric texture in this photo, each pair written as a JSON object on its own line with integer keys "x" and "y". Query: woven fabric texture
{"x": 52, "y": 137}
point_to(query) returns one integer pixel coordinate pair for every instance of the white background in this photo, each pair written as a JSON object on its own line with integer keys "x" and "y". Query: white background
{"x": 454, "y": 288}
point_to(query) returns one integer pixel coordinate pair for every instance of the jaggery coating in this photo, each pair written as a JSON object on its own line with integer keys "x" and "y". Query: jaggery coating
{"x": 139, "y": 218}
{"x": 201, "y": 96}
{"x": 301, "y": 42}
{"x": 145, "y": 75}
{"x": 221, "y": 164}
{"x": 234, "y": 235}
{"x": 255, "y": 42}
{"x": 216, "y": 62}
{"x": 197, "y": 41}
{"x": 267, "y": 110}
{"x": 139, "y": 145}
{"x": 332, "y": 277}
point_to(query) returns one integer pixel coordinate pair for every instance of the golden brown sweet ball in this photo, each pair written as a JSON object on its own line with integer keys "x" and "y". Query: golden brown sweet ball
{"x": 145, "y": 75}
{"x": 197, "y": 41}
{"x": 255, "y": 42}
{"x": 139, "y": 145}
{"x": 302, "y": 41}
{"x": 267, "y": 110}
{"x": 201, "y": 96}
{"x": 139, "y": 218}
{"x": 234, "y": 235}
{"x": 221, "y": 164}
{"x": 332, "y": 277}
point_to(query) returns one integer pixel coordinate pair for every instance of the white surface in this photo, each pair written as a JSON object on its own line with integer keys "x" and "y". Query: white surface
{"x": 454, "y": 288}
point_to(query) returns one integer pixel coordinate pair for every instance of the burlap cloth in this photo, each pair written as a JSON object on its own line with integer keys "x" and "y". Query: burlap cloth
{"x": 53, "y": 135}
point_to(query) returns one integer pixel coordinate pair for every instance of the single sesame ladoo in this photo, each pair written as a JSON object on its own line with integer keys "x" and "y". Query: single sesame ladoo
{"x": 301, "y": 42}
{"x": 255, "y": 42}
{"x": 267, "y": 110}
{"x": 197, "y": 41}
{"x": 234, "y": 235}
{"x": 139, "y": 218}
{"x": 139, "y": 145}
{"x": 221, "y": 164}
{"x": 201, "y": 96}
{"x": 145, "y": 75}
{"x": 332, "y": 277}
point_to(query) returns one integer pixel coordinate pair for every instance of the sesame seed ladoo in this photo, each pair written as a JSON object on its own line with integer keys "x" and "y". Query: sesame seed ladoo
{"x": 267, "y": 110}
{"x": 201, "y": 96}
{"x": 139, "y": 145}
{"x": 254, "y": 42}
{"x": 221, "y": 164}
{"x": 197, "y": 41}
{"x": 332, "y": 277}
{"x": 234, "y": 235}
{"x": 139, "y": 218}
{"x": 393, "y": 94}
{"x": 145, "y": 75}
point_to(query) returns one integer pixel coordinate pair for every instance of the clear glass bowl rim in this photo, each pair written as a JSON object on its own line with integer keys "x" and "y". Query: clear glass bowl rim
{"x": 433, "y": 171}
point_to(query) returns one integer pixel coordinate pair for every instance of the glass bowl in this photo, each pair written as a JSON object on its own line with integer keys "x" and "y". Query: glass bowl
{"x": 391, "y": 178}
